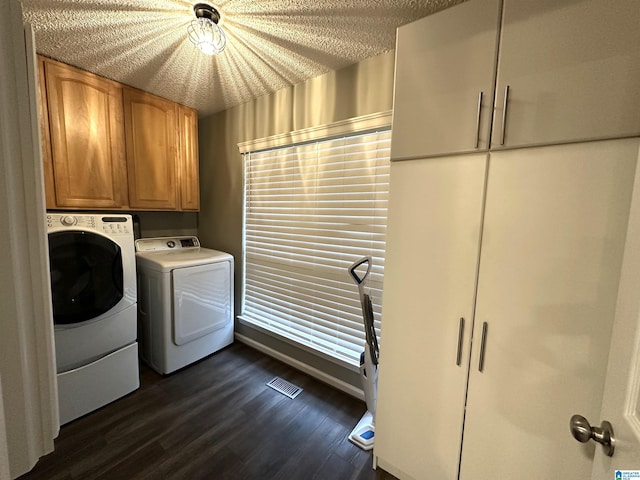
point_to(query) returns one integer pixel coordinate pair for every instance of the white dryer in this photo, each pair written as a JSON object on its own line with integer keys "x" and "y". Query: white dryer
{"x": 93, "y": 290}
{"x": 185, "y": 301}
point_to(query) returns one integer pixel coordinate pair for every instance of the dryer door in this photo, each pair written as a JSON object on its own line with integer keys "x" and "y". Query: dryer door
{"x": 86, "y": 275}
{"x": 201, "y": 300}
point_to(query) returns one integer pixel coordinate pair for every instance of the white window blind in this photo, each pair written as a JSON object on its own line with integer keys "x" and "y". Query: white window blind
{"x": 311, "y": 211}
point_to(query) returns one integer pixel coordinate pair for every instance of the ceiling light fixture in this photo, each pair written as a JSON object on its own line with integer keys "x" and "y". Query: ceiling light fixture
{"x": 204, "y": 31}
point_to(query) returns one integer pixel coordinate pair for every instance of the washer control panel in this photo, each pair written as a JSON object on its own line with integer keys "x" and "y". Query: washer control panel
{"x": 109, "y": 224}
{"x": 163, "y": 244}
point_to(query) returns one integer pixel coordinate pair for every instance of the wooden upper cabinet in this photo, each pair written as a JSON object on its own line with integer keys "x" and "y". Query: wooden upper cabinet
{"x": 445, "y": 76}
{"x": 106, "y": 146}
{"x": 152, "y": 141}
{"x": 45, "y": 135}
{"x": 83, "y": 139}
{"x": 572, "y": 70}
{"x": 188, "y": 172}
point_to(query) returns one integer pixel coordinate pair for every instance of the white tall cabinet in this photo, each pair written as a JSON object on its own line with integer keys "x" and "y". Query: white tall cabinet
{"x": 433, "y": 239}
{"x": 502, "y": 267}
{"x": 553, "y": 237}
{"x": 536, "y": 289}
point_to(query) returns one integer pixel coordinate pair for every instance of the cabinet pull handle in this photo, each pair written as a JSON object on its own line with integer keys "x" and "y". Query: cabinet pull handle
{"x": 478, "y": 119}
{"x": 504, "y": 113}
{"x": 460, "y": 337}
{"x": 483, "y": 344}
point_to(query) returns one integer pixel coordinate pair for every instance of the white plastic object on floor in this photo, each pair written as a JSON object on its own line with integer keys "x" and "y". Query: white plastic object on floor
{"x": 364, "y": 432}
{"x": 363, "y": 435}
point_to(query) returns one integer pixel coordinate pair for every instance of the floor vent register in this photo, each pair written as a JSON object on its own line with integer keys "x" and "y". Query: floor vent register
{"x": 284, "y": 387}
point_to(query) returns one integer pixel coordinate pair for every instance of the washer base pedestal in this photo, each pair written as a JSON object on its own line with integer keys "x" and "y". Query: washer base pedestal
{"x": 96, "y": 384}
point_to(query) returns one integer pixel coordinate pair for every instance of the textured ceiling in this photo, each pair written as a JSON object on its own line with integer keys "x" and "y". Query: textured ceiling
{"x": 270, "y": 43}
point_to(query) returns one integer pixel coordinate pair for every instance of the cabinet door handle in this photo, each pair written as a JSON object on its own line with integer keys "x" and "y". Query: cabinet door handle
{"x": 478, "y": 119}
{"x": 504, "y": 113}
{"x": 460, "y": 337}
{"x": 483, "y": 344}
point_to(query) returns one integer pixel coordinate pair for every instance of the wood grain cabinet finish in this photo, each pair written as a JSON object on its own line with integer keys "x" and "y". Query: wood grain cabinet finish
{"x": 83, "y": 139}
{"x": 188, "y": 162}
{"x": 107, "y": 146}
{"x": 495, "y": 74}
{"x": 152, "y": 140}
{"x": 45, "y": 135}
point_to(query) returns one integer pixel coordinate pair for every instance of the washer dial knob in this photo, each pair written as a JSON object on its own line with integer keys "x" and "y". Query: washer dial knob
{"x": 68, "y": 220}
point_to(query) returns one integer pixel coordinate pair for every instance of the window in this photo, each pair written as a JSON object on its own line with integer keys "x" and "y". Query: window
{"x": 311, "y": 211}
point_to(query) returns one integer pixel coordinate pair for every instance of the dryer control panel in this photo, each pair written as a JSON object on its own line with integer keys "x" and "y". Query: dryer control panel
{"x": 163, "y": 244}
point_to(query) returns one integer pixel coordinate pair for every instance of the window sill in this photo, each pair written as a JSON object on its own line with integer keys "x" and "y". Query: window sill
{"x": 302, "y": 346}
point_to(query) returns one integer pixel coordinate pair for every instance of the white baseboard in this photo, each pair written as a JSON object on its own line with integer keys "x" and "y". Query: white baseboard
{"x": 308, "y": 369}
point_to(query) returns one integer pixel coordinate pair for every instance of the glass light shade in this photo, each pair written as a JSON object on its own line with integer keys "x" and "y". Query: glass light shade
{"x": 207, "y": 36}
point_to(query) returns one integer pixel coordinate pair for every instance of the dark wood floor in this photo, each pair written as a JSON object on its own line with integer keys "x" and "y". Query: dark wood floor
{"x": 215, "y": 420}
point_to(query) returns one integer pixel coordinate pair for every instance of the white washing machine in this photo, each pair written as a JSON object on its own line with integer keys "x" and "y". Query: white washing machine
{"x": 185, "y": 301}
{"x": 93, "y": 290}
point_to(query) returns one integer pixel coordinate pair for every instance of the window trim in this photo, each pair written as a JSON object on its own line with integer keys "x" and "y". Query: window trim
{"x": 349, "y": 126}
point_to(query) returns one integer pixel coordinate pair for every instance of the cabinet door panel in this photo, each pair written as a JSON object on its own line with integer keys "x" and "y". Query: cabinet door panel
{"x": 573, "y": 70}
{"x": 433, "y": 236}
{"x": 443, "y": 62}
{"x": 189, "y": 175}
{"x": 87, "y": 144}
{"x": 151, "y": 127}
{"x": 553, "y": 238}
{"x": 45, "y": 135}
